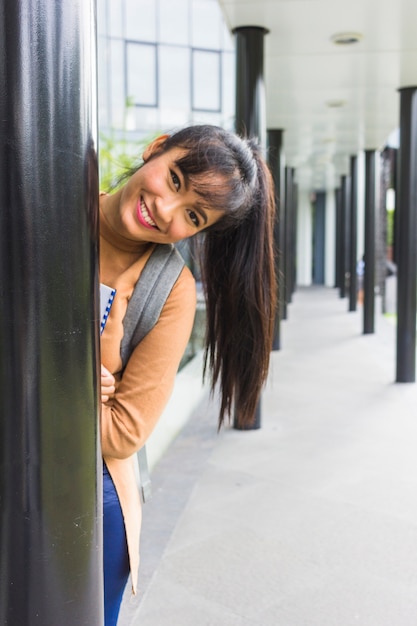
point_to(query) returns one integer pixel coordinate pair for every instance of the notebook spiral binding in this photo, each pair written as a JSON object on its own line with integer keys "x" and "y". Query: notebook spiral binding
{"x": 106, "y": 300}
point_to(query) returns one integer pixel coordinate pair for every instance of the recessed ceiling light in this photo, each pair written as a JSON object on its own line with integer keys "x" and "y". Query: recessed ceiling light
{"x": 346, "y": 39}
{"x": 335, "y": 104}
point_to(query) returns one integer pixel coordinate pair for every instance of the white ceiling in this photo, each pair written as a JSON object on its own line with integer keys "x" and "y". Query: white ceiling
{"x": 305, "y": 72}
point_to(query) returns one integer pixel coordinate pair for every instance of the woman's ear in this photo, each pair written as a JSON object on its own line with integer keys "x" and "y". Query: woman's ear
{"x": 154, "y": 147}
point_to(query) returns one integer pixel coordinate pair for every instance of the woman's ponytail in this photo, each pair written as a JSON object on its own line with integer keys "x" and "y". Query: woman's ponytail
{"x": 238, "y": 269}
{"x": 239, "y": 279}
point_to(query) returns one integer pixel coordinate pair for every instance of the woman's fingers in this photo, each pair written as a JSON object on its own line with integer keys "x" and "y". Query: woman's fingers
{"x": 108, "y": 384}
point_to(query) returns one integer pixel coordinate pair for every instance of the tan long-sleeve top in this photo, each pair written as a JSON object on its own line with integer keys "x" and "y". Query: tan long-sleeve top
{"x": 144, "y": 388}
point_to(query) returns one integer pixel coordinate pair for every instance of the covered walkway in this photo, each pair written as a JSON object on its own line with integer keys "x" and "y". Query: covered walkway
{"x": 309, "y": 521}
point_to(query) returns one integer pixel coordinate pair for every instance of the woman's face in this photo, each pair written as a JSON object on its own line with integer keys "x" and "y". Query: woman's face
{"x": 158, "y": 205}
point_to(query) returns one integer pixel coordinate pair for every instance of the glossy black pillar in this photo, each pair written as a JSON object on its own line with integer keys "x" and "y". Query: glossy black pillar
{"x": 275, "y": 161}
{"x": 387, "y": 180}
{"x": 344, "y": 233}
{"x": 50, "y": 519}
{"x": 338, "y": 235}
{"x": 353, "y": 232}
{"x": 370, "y": 241}
{"x": 407, "y": 237}
{"x": 287, "y": 252}
{"x": 319, "y": 236}
{"x": 250, "y": 88}
{"x": 393, "y": 163}
{"x": 250, "y": 99}
{"x": 294, "y": 232}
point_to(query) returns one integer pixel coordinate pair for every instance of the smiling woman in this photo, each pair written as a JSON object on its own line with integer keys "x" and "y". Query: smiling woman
{"x": 205, "y": 180}
{"x": 158, "y": 204}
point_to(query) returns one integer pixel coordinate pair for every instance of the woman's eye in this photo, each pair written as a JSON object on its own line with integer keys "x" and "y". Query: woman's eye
{"x": 194, "y": 218}
{"x": 175, "y": 180}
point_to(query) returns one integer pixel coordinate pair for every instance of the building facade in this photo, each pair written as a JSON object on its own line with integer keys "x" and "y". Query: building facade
{"x": 163, "y": 65}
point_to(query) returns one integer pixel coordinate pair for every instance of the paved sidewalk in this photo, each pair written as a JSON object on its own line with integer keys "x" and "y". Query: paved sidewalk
{"x": 309, "y": 521}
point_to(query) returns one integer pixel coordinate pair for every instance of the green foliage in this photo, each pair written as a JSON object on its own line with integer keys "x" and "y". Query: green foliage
{"x": 118, "y": 155}
{"x": 390, "y": 227}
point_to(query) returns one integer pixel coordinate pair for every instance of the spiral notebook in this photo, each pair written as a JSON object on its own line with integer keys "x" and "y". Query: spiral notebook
{"x": 106, "y": 300}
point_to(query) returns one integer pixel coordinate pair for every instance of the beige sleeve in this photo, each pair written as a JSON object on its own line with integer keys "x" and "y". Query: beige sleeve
{"x": 146, "y": 384}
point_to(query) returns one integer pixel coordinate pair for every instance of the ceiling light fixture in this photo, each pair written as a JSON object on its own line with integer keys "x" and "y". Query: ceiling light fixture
{"x": 346, "y": 39}
{"x": 336, "y": 104}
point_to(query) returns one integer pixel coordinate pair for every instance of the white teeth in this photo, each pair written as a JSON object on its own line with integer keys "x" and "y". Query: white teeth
{"x": 145, "y": 214}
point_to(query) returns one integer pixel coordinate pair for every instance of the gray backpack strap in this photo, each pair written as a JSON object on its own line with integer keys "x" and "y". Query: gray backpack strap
{"x": 149, "y": 296}
{"x": 144, "y": 474}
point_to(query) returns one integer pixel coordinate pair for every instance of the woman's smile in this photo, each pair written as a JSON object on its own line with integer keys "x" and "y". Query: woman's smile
{"x": 144, "y": 215}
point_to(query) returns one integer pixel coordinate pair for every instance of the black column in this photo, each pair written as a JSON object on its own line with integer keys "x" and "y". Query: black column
{"x": 338, "y": 237}
{"x": 250, "y": 99}
{"x": 275, "y": 160}
{"x": 353, "y": 232}
{"x": 393, "y": 160}
{"x": 382, "y": 224}
{"x": 370, "y": 242}
{"x": 407, "y": 237}
{"x": 294, "y": 232}
{"x": 287, "y": 251}
{"x": 250, "y": 88}
{"x": 344, "y": 232}
{"x": 319, "y": 236}
{"x": 50, "y": 520}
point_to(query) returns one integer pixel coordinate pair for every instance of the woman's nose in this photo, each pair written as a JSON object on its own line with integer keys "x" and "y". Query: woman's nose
{"x": 167, "y": 206}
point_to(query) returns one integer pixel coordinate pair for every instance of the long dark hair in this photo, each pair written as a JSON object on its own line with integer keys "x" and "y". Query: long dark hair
{"x": 237, "y": 262}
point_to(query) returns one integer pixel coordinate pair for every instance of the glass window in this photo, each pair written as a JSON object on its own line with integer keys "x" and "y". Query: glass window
{"x": 206, "y": 80}
{"x": 140, "y": 20}
{"x": 173, "y": 118}
{"x": 174, "y": 21}
{"x": 147, "y": 120}
{"x": 116, "y": 83}
{"x": 102, "y": 17}
{"x": 206, "y": 117}
{"x": 228, "y": 84}
{"x": 206, "y": 24}
{"x": 141, "y": 72}
{"x": 103, "y": 81}
{"x": 228, "y": 40}
{"x": 174, "y": 77}
{"x": 115, "y": 17}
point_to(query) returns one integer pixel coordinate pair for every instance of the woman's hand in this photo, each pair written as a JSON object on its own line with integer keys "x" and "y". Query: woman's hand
{"x": 108, "y": 384}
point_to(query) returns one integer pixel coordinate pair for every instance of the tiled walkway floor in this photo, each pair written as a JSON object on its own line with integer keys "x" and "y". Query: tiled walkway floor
{"x": 309, "y": 521}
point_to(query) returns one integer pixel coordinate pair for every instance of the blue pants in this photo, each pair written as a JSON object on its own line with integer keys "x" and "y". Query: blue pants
{"x": 116, "y": 560}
